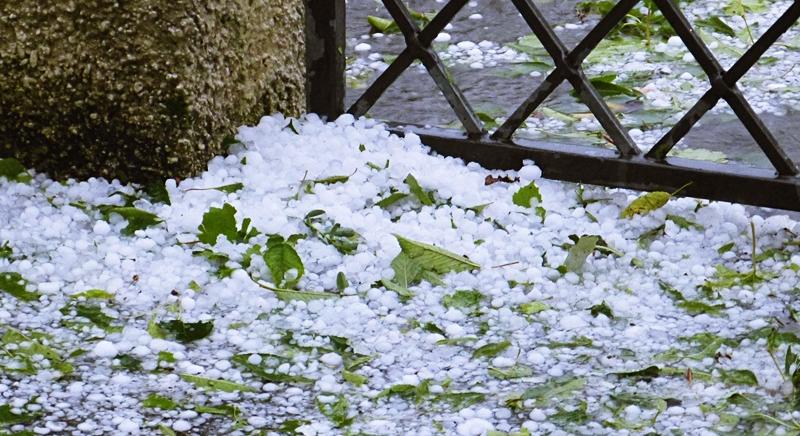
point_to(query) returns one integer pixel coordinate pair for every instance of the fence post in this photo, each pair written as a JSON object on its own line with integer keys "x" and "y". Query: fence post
{"x": 325, "y": 59}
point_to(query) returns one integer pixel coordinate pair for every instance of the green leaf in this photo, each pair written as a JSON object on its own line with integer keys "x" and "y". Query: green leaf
{"x": 433, "y": 258}
{"x": 417, "y": 190}
{"x": 137, "y": 219}
{"x": 153, "y": 330}
{"x": 578, "y": 341}
{"x": 646, "y": 203}
{"x": 407, "y": 271}
{"x": 266, "y": 373}
{"x": 14, "y": 284}
{"x": 215, "y": 384}
{"x": 14, "y": 171}
{"x": 684, "y": 223}
{"x": 6, "y": 251}
{"x": 648, "y": 373}
{"x": 218, "y": 221}
{"x": 700, "y": 154}
{"x": 341, "y": 282}
{"x": 479, "y": 208}
{"x": 345, "y": 240}
{"x": 186, "y": 331}
{"x": 463, "y": 299}
{"x": 155, "y": 401}
{"x": 577, "y": 254}
{"x": 738, "y": 377}
{"x": 558, "y": 388}
{"x": 491, "y": 349}
{"x": 459, "y": 400}
{"x": 696, "y": 307}
{"x": 332, "y": 180}
{"x": 157, "y": 191}
{"x": 577, "y": 415}
{"x": 647, "y": 238}
{"x": 382, "y": 25}
{"x": 353, "y": 378}
{"x": 402, "y": 291}
{"x": 7, "y": 417}
{"x": 280, "y": 258}
{"x": 526, "y": 194}
{"x": 337, "y": 411}
{"x": 717, "y": 25}
{"x": 726, "y": 248}
{"x": 228, "y": 189}
{"x": 93, "y": 294}
{"x": 93, "y": 313}
{"x": 128, "y": 363}
{"x": 391, "y": 199}
{"x": 457, "y": 341}
{"x": 601, "y": 308}
{"x": 294, "y": 295}
{"x": 607, "y": 88}
{"x": 230, "y": 410}
{"x": 532, "y": 307}
{"x": 516, "y": 371}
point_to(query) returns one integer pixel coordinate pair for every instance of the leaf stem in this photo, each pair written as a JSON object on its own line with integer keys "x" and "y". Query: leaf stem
{"x": 680, "y": 189}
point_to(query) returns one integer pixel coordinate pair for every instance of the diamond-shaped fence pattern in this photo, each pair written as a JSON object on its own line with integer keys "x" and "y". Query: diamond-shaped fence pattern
{"x": 627, "y": 166}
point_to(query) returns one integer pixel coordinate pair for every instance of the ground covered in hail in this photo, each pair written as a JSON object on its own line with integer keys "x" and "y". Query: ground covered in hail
{"x": 335, "y": 279}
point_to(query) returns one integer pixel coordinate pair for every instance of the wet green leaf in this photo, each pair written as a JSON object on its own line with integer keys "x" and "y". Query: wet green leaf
{"x": 218, "y": 221}
{"x": 216, "y": 384}
{"x": 337, "y": 412}
{"x": 186, "y": 331}
{"x": 578, "y": 253}
{"x": 491, "y": 349}
{"x": 463, "y": 299}
{"x": 417, "y": 190}
{"x": 155, "y": 401}
{"x": 646, "y": 203}
{"x": 14, "y": 171}
{"x": 281, "y": 258}
{"x": 738, "y": 377}
{"x": 602, "y": 308}
{"x": 137, "y": 219}
{"x": 14, "y": 284}
{"x": 514, "y": 372}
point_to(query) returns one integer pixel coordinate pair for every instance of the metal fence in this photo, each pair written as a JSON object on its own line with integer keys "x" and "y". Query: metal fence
{"x": 626, "y": 167}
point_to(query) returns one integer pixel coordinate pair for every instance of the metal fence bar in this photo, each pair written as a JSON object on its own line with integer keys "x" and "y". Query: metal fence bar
{"x": 557, "y": 76}
{"x": 573, "y": 163}
{"x": 733, "y": 75}
{"x": 622, "y": 168}
{"x": 574, "y": 74}
{"x": 728, "y": 91}
{"x": 325, "y": 60}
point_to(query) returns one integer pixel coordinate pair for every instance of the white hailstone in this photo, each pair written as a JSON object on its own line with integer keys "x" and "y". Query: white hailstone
{"x": 503, "y": 362}
{"x": 181, "y": 425}
{"x": 126, "y": 426}
{"x": 530, "y": 173}
{"x": 362, "y": 47}
{"x": 466, "y": 45}
{"x": 675, "y": 41}
{"x": 443, "y": 37}
{"x": 332, "y": 360}
{"x": 101, "y": 227}
{"x": 572, "y": 322}
{"x": 474, "y": 427}
{"x": 535, "y": 357}
{"x": 537, "y": 415}
{"x": 105, "y": 349}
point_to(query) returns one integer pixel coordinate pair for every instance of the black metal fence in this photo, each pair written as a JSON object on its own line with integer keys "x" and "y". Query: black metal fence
{"x": 624, "y": 167}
